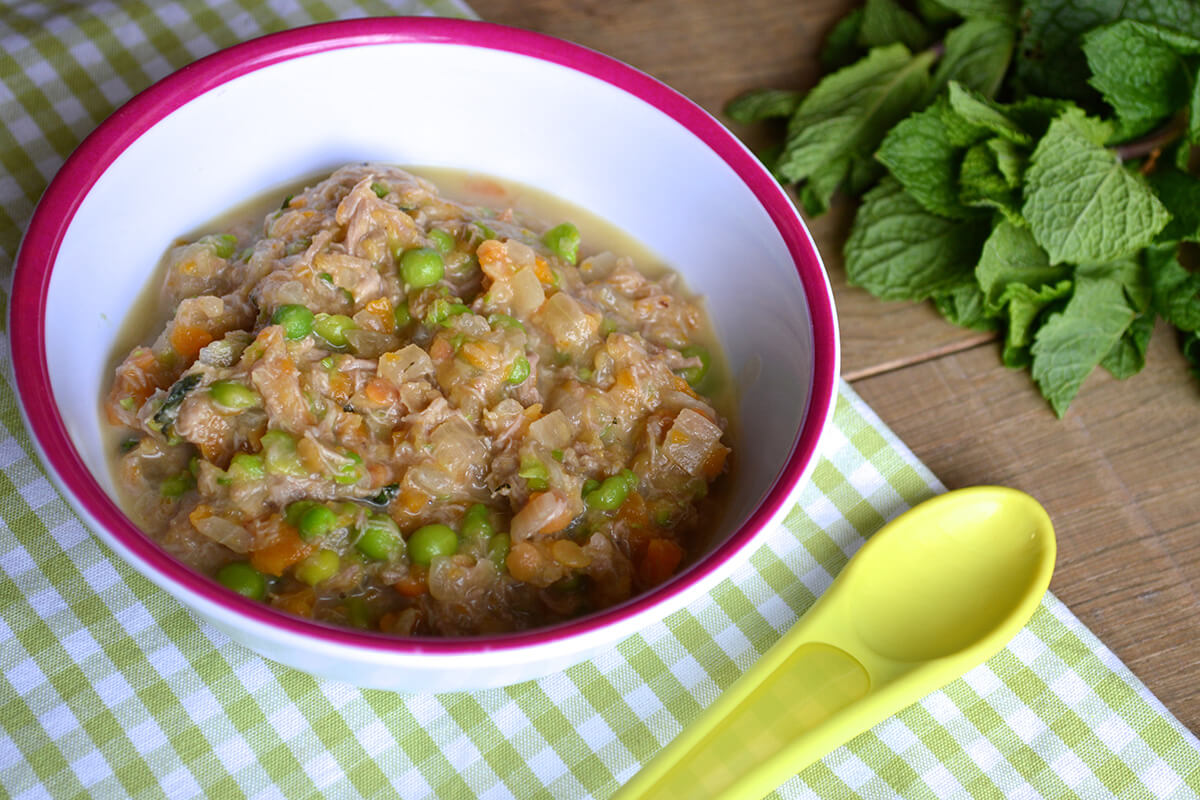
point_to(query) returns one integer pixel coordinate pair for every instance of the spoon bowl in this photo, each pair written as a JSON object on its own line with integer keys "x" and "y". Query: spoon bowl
{"x": 931, "y": 595}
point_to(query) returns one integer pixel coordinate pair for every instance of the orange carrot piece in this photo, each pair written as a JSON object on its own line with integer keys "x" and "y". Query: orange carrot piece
{"x": 283, "y": 548}
{"x": 660, "y": 561}
{"x": 187, "y": 340}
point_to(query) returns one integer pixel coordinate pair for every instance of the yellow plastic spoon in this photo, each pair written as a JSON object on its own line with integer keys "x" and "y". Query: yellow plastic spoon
{"x": 934, "y": 593}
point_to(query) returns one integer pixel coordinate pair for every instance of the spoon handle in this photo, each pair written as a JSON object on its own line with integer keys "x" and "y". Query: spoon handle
{"x": 761, "y": 731}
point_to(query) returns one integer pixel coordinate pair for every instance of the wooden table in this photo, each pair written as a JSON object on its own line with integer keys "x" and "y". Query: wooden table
{"x": 1120, "y": 475}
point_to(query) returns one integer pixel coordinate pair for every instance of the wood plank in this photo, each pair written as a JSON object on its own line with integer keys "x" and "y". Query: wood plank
{"x": 1118, "y": 475}
{"x": 712, "y": 51}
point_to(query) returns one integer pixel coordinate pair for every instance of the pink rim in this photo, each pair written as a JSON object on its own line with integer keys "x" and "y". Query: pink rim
{"x": 85, "y": 166}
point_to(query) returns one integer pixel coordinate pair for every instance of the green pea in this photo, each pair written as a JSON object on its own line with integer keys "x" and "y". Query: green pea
{"x": 504, "y": 321}
{"x": 441, "y": 310}
{"x": 381, "y": 190}
{"x": 316, "y": 522}
{"x": 519, "y": 371}
{"x": 176, "y": 485}
{"x": 477, "y": 523}
{"x": 350, "y": 471}
{"x": 590, "y": 485}
{"x": 357, "y": 613}
{"x": 279, "y": 450}
{"x": 498, "y": 549}
{"x": 401, "y": 314}
{"x": 421, "y": 267}
{"x": 332, "y": 328}
{"x": 296, "y": 510}
{"x": 234, "y": 395}
{"x": 223, "y": 244}
{"x": 430, "y": 541}
{"x": 247, "y": 467}
{"x": 563, "y": 241}
{"x": 610, "y": 495}
{"x": 296, "y": 320}
{"x": 320, "y": 566}
{"x": 694, "y": 375}
{"x": 243, "y": 579}
{"x": 379, "y": 538}
{"x": 442, "y": 240}
{"x": 534, "y": 472}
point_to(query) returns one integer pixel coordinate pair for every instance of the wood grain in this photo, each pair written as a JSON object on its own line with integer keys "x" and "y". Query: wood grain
{"x": 1120, "y": 474}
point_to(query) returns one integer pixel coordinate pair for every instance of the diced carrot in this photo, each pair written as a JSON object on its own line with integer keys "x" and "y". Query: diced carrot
{"x": 299, "y": 602}
{"x": 380, "y": 305}
{"x": 138, "y": 377}
{"x": 380, "y": 391}
{"x": 661, "y": 559}
{"x": 633, "y": 511}
{"x": 543, "y": 271}
{"x": 198, "y": 513}
{"x": 715, "y": 462}
{"x": 415, "y": 584}
{"x": 279, "y": 546}
{"x": 685, "y": 387}
{"x": 441, "y": 349}
{"x": 481, "y": 354}
{"x": 187, "y": 340}
{"x": 412, "y": 500}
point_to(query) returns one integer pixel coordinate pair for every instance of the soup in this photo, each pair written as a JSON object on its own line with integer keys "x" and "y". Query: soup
{"x": 383, "y": 408}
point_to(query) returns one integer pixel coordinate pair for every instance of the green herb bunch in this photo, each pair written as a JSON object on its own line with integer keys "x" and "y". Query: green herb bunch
{"x": 1024, "y": 165}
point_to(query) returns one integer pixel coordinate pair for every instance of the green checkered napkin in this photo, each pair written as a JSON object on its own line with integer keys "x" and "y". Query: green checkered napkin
{"x": 108, "y": 688}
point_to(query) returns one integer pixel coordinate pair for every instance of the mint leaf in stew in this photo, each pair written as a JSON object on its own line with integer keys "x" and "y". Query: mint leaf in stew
{"x": 897, "y": 250}
{"x": 924, "y": 153}
{"x": 760, "y": 104}
{"x": 1128, "y": 355}
{"x": 1142, "y": 71}
{"x": 977, "y": 55}
{"x": 846, "y": 116}
{"x": 886, "y": 22}
{"x": 1082, "y": 204}
{"x": 1012, "y": 256}
{"x": 1073, "y": 341}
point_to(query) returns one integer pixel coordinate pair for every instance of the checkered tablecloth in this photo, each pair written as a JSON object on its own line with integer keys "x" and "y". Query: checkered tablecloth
{"x": 108, "y": 688}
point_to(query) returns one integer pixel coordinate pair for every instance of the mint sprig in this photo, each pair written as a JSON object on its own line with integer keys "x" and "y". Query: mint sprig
{"x": 1022, "y": 165}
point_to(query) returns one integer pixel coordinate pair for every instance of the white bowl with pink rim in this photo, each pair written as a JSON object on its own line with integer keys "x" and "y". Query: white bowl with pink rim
{"x": 436, "y": 93}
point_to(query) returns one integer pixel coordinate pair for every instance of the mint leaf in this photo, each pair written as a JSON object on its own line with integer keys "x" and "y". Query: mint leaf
{"x": 980, "y": 112}
{"x": 760, "y": 104}
{"x": 1025, "y": 305}
{"x": 1175, "y": 292}
{"x": 1010, "y": 160}
{"x": 841, "y": 44}
{"x": 1011, "y": 257}
{"x": 933, "y": 12}
{"x": 924, "y": 153}
{"x": 846, "y": 116}
{"x": 983, "y": 185}
{"x": 1005, "y": 10}
{"x": 1081, "y": 203}
{"x": 899, "y": 251}
{"x": 1051, "y": 61}
{"x": 1180, "y": 194}
{"x": 1128, "y": 355}
{"x": 886, "y": 22}
{"x": 1190, "y": 345}
{"x": 1141, "y": 71}
{"x": 1072, "y": 342}
{"x": 977, "y": 55}
{"x": 963, "y": 305}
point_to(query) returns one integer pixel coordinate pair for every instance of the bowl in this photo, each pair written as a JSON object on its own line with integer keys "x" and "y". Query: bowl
{"x": 438, "y": 93}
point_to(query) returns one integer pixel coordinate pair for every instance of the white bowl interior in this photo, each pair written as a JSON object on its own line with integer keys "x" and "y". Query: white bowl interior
{"x": 521, "y": 118}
